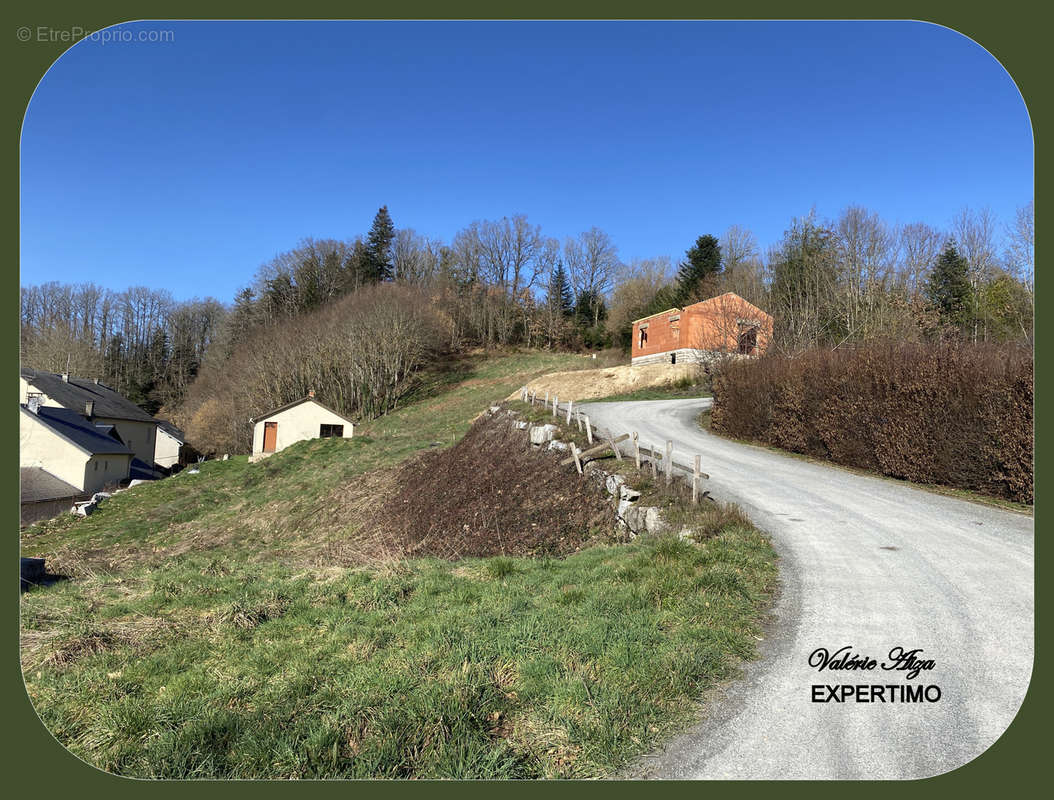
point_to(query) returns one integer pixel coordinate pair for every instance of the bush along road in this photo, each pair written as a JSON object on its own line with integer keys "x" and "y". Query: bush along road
{"x": 901, "y": 645}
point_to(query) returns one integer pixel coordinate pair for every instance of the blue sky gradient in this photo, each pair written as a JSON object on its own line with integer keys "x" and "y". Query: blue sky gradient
{"x": 186, "y": 164}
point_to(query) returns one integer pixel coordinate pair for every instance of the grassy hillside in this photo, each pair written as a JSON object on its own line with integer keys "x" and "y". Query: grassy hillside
{"x": 245, "y": 622}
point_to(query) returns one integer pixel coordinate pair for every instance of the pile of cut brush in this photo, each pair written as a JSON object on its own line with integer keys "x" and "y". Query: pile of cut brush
{"x": 493, "y": 494}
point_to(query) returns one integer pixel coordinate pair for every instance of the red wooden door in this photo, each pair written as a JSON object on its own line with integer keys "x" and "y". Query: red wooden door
{"x": 270, "y": 436}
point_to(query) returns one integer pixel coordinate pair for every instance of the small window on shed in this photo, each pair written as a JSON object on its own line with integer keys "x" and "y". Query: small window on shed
{"x": 643, "y": 337}
{"x": 325, "y": 431}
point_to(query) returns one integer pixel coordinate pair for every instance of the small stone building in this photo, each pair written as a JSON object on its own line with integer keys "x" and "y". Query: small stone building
{"x": 702, "y": 332}
{"x": 306, "y": 418}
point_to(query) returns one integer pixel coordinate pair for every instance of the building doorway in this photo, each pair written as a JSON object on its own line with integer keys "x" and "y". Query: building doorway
{"x": 748, "y": 341}
{"x": 270, "y": 436}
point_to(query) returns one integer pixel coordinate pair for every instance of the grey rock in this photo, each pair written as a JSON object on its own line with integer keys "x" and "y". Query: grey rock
{"x": 628, "y": 493}
{"x": 540, "y": 434}
{"x": 614, "y": 484}
{"x": 556, "y": 444}
{"x": 653, "y": 521}
{"x": 521, "y": 425}
{"x": 643, "y": 519}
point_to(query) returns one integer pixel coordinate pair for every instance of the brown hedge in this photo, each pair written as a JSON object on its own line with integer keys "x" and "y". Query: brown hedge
{"x": 948, "y": 413}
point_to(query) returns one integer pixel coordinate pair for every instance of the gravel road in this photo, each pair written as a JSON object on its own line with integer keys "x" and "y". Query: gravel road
{"x": 866, "y": 563}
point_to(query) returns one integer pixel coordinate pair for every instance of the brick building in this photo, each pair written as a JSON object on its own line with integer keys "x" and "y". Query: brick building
{"x": 726, "y": 324}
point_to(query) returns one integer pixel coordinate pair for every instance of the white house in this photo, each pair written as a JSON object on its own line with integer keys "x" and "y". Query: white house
{"x": 169, "y": 443}
{"x": 98, "y": 403}
{"x": 302, "y": 419}
{"x": 61, "y": 455}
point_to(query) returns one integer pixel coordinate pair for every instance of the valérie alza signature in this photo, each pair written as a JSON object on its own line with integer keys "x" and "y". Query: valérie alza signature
{"x": 844, "y": 658}
{"x": 899, "y": 659}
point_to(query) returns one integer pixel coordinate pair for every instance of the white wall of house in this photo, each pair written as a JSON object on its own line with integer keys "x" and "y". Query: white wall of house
{"x": 141, "y": 437}
{"x": 40, "y": 446}
{"x": 295, "y": 424}
{"x": 166, "y": 449}
{"x": 103, "y": 471}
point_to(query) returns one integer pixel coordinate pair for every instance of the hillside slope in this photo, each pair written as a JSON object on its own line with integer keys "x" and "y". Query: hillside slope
{"x": 260, "y": 621}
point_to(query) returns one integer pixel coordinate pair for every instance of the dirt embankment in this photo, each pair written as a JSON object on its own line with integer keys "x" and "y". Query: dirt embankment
{"x": 586, "y": 384}
{"x": 493, "y": 494}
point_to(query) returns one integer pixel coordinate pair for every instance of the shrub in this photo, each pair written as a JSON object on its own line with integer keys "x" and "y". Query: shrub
{"x": 949, "y": 413}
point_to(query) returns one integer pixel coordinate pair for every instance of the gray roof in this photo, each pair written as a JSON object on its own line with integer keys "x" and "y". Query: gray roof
{"x": 171, "y": 430}
{"x": 88, "y": 436}
{"x": 38, "y": 484}
{"x": 76, "y": 391}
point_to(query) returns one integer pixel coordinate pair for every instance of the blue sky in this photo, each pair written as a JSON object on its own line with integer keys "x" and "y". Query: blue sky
{"x": 186, "y": 164}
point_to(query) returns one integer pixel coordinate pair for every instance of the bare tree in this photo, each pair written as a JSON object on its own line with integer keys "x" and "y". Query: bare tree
{"x": 974, "y": 233}
{"x": 919, "y": 245}
{"x": 1020, "y": 254}
{"x": 592, "y": 259}
{"x": 415, "y": 258}
{"x": 865, "y": 252}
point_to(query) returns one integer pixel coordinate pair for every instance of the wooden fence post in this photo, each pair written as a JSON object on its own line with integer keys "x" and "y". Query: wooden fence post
{"x": 578, "y": 462}
{"x": 570, "y": 404}
{"x": 578, "y": 418}
{"x": 695, "y": 480}
{"x": 547, "y": 401}
{"x": 636, "y": 449}
{"x": 618, "y": 455}
{"x": 556, "y": 402}
{"x": 654, "y": 465}
{"x": 669, "y": 461}
{"x": 589, "y": 430}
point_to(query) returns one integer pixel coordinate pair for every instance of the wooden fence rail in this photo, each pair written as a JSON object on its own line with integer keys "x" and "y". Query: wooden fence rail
{"x": 657, "y": 457}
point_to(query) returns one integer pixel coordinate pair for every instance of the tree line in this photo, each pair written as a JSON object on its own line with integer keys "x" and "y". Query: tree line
{"x": 504, "y": 282}
{"x": 139, "y": 341}
{"x": 856, "y": 278}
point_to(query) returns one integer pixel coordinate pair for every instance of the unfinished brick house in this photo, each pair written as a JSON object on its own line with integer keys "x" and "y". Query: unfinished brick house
{"x": 702, "y": 332}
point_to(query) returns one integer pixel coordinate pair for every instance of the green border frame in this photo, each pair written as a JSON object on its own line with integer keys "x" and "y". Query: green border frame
{"x": 1013, "y": 32}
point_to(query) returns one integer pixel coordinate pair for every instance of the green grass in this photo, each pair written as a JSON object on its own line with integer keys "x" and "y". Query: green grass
{"x": 505, "y": 668}
{"x": 292, "y": 504}
{"x": 215, "y": 625}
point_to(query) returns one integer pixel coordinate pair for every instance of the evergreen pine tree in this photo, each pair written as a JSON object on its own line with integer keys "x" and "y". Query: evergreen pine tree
{"x": 559, "y": 297}
{"x": 703, "y": 263}
{"x": 948, "y": 288}
{"x": 379, "y": 246}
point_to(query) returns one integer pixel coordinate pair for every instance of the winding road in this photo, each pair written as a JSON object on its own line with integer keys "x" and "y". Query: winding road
{"x": 866, "y": 563}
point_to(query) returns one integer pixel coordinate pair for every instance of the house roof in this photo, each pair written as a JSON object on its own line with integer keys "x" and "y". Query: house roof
{"x": 307, "y": 399}
{"x": 702, "y": 303}
{"x": 171, "y": 430}
{"x": 37, "y": 484}
{"x": 74, "y": 393}
{"x": 71, "y": 426}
